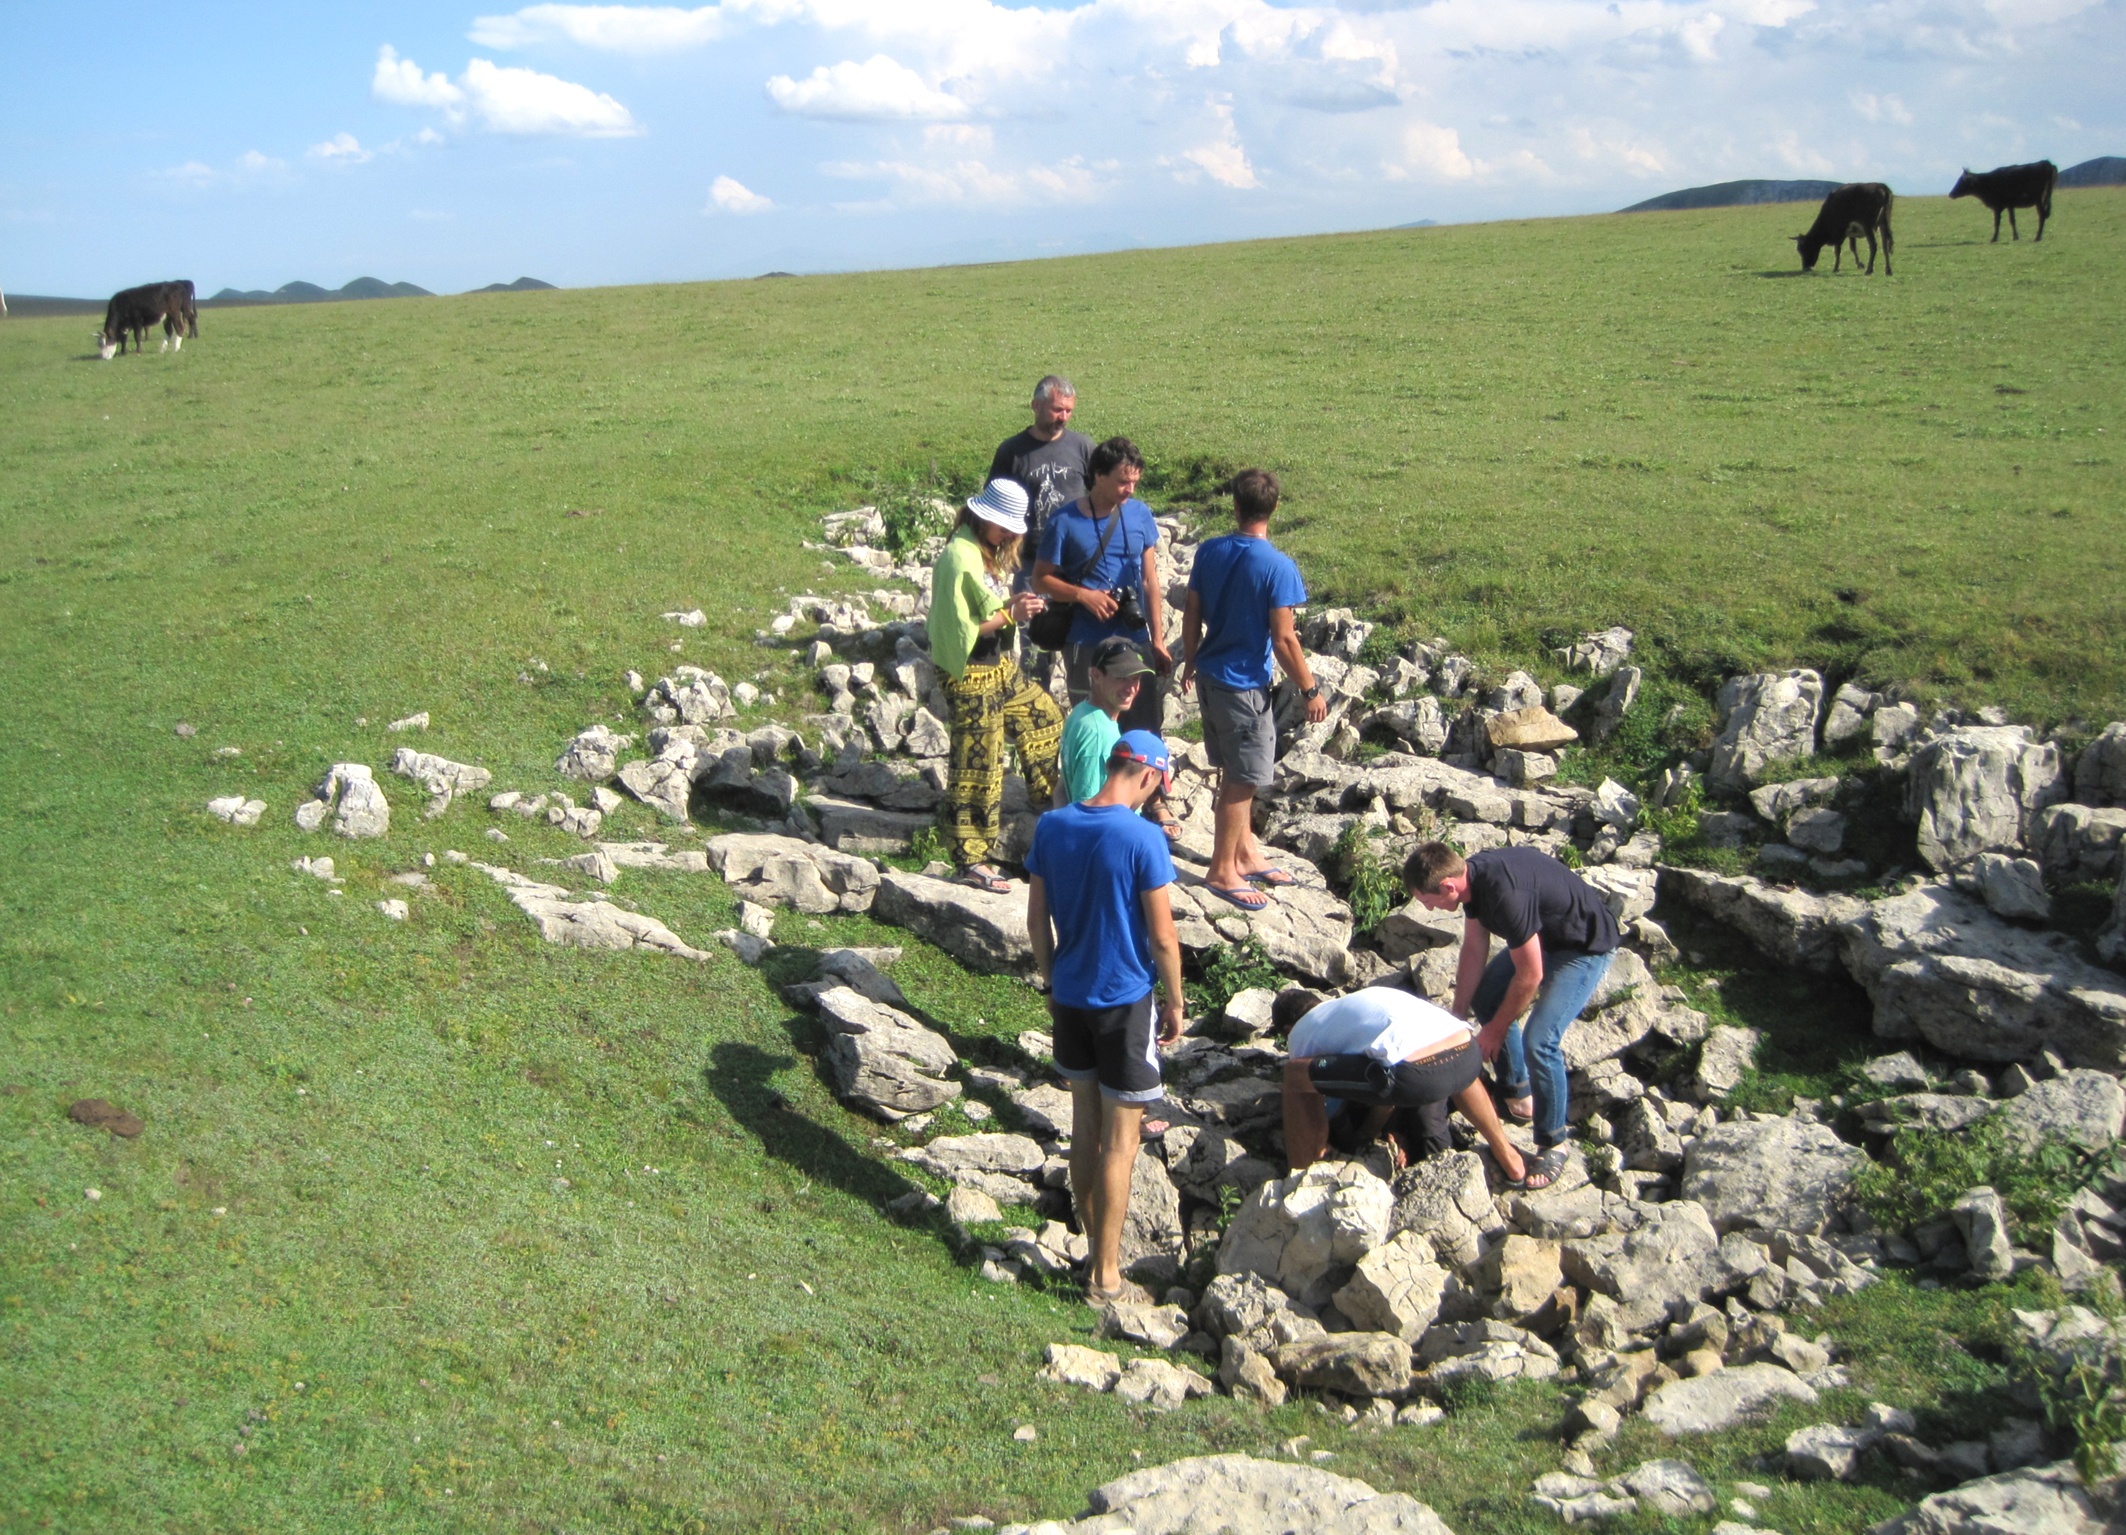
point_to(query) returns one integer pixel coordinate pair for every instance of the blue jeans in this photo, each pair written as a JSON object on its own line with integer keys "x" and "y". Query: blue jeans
{"x": 1533, "y": 1058}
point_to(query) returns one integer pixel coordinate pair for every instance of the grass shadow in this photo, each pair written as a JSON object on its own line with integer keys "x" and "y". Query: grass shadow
{"x": 741, "y": 1075}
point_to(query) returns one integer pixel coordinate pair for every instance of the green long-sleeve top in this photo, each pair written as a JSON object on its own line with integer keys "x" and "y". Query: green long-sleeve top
{"x": 962, "y": 598}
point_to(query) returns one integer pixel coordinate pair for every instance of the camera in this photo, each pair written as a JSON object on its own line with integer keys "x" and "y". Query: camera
{"x": 1126, "y": 609}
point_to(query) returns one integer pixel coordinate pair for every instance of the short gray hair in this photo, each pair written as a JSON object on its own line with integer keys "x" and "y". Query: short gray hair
{"x": 1052, "y": 386}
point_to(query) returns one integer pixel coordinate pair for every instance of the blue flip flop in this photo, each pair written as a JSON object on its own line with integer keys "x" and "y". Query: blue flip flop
{"x": 1239, "y": 897}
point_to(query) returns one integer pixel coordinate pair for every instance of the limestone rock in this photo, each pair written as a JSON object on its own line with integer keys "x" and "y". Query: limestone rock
{"x": 351, "y": 797}
{"x": 1530, "y": 729}
{"x": 1622, "y": 693}
{"x": 1159, "y": 1384}
{"x": 665, "y": 784}
{"x": 1600, "y": 654}
{"x": 1138, "y": 1322}
{"x": 1248, "y": 1307}
{"x": 1942, "y": 968}
{"x": 1794, "y": 927}
{"x": 1306, "y": 931}
{"x": 2100, "y": 770}
{"x": 1668, "y": 1487}
{"x": 236, "y": 810}
{"x": 1980, "y": 789}
{"x": 1645, "y": 1141}
{"x": 1671, "y": 1254}
{"x": 1396, "y": 1288}
{"x": 430, "y": 771}
{"x": 592, "y": 755}
{"x": 2077, "y": 843}
{"x": 883, "y": 1060}
{"x": 1765, "y": 718}
{"x": 1848, "y": 716}
{"x": 1525, "y": 1272}
{"x": 1982, "y": 1221}
{"x": 1447, "y": 1200}
{"x": 2080, "y": 1108}
{"x": 1416, "y": 720}
{"x": 1072, "y": 1364}
{"x": 1248, "y": 1375}
{"x": 1728, "y": 1052}
{"x": 1295, "y": 1232}
{"x": 590, "y": 924}
{"x": 2011, "y": 887}
{"x": 2035, "y": 1500}
{"x": 1828, "y": 1452}
{"x": 1779, "y": 1174}
{"x": 971, "y": 1207}
{"x": 1238, "y": 1495}
{"x": 787, "y": 871}
{"x": 984, "y": 932}
{"x": 1706, "y": 1404}
{"x": 1152, "y": 1235}
{"x": 1354, "y": 1363}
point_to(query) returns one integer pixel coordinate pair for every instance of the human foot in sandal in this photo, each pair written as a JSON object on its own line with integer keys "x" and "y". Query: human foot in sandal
{"x": 983, "y": 877}
{"x": 1545, "y": 1170}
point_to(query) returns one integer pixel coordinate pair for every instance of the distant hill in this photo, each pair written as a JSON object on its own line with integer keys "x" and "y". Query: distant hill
{"x": 521, "y": 285}
{"x": 1420, "y": 224}
{"x": 32, "y": 306}
{"x": 1731, "y": 194}
{"x": 2103, "y": 171}
{"x": 311, "y": 293}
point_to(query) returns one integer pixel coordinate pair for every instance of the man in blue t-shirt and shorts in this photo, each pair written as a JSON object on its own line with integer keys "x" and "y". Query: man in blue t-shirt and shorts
{"x": 1560, "y": 937}
{"x": 1240, "y": 600}
{"x": 1102, "y": 926}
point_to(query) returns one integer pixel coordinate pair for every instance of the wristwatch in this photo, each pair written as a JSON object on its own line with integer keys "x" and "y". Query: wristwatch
{"x": 1312, "y": 692}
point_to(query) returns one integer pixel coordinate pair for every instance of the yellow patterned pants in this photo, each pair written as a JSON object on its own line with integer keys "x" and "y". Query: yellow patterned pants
{"x": 987, "y": 702}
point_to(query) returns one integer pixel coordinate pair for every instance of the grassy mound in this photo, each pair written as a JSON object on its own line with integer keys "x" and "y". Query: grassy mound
{"x": 435, "y": 1227}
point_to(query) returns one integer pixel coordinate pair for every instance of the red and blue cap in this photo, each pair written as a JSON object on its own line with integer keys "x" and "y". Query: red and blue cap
{"x": 1146, "y": 750}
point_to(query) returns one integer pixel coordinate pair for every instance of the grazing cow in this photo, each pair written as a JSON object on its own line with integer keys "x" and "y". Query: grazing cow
{"x": 130, "y": 312}
{"x": 2009, "y": 188}
{"x": 1855, "y": 209}
{"x": 180, "y": 313}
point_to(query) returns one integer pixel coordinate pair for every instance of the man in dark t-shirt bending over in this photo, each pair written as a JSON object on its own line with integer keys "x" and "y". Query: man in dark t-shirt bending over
{"x": 1559, "y": 938}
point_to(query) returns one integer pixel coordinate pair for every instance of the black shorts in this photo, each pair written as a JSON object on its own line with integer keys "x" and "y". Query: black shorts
{"x": 1114, "y": 1045}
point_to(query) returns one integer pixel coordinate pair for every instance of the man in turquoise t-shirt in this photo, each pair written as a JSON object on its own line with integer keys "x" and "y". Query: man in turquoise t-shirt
{"x": 1117, "y": 671}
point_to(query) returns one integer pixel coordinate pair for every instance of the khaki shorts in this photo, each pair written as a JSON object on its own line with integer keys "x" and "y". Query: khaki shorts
{"x": 1240, "y": 733}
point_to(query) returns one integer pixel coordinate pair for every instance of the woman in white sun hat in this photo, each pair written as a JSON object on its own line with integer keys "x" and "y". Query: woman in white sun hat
{"x": 974, "y": 641}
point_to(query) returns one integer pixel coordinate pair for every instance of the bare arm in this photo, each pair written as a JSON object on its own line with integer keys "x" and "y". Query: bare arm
{"x": 1166, "y": 955}
{"x": 1155, "y": 612}
{"x": 1100, "y": 604}
{"x": 1527, "y": 981}
{"x": 1037, "y": 928}
{"x": 1306, "y": 1116}
{"x": 1191, "y": 636}
{"x": 1476, "y": 953}
{"x": 1284, "y": 639}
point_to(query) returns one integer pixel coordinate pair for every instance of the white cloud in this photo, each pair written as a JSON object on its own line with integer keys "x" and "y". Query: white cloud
{"x": 1698, "y": 34}
{"x": 400, "y": 82}
{"x": 259, "y": 164}
{"x": 879, "y": 89}
{"x": 1880, "y": 109}
{"x": 1430, "y": 153}
{"x": 511, "y": 100}
{"x": 192, "y": 173}
{"x": 505, "y": 99}
{"x": 251, "y": 168}
{"x": 727, "y": 194}
{"x": 615, "y": 28}
{"x": 975, "y": 182}
{"x": 1224, "y": 159}
{"x": 342, "y": 147}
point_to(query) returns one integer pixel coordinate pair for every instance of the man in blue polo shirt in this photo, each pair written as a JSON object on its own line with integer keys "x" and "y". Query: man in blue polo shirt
{"x": 1240, "y": 600}
{"x": 1100, "y": 553}
{"x": 1098, "y": 913}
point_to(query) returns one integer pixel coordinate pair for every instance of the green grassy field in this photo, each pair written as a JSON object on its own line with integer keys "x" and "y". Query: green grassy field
{"x": 341, "y": 1283}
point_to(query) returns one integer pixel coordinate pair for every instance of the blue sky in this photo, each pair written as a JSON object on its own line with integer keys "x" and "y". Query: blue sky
{"x": 245, "y": 145}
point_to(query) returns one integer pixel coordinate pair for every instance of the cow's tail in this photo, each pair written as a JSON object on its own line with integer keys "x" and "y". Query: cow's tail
{"x": 1889, "y": 200}
{"x": 2044, "y": 194}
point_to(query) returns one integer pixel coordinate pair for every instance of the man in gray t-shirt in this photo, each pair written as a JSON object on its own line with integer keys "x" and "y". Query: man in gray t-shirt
{"x": 1047, "y": 459}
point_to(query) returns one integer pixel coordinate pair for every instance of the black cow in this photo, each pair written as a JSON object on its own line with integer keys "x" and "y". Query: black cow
{"x": 180, "y": 313}
{"x": 2009, "y": 188}
{"x": 1855, "y": 209}
{"x": 130, "y": 312}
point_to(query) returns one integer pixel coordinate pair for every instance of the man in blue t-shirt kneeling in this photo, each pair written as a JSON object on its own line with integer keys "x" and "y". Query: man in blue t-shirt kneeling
{"x": 1240, "y": 600}
{"x": 1102, "y": 928}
